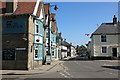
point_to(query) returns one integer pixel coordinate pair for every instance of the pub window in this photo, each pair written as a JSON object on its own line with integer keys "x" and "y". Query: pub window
{"x": 37, "y": 29}
{"x": 8, "y": 54}
{"x": 104, "y": 49}
{"x": 103, "y": 38}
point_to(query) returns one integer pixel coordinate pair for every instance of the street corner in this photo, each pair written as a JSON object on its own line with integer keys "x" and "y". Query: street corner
{"x": 63, "y": 66}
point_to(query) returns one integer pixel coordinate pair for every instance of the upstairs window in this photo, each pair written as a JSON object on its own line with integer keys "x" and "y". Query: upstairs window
{"x": 37, "y": 29}
{"x": 103, "y": 38}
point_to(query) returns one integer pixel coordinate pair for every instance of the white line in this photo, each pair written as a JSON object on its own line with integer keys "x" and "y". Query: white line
{"x": 68, "y": 74}
{"x": 110, "y": 73}
{"x": 64, "y": 75}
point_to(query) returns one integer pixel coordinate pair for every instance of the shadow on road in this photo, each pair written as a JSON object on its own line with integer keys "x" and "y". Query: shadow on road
{"x": 112, "y": 67}
{"x": 21, "y": 74}
{"x": 78, "y": 58}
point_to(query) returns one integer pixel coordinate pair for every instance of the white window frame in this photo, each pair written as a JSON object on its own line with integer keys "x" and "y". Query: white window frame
{"x": 34, "y": 52}
{"x": 101, "y": 38}
{"x": 36, "y": 29}
{"x": 106, "y": 49}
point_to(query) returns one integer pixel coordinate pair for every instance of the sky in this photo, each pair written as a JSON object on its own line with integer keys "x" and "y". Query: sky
{"x": 75, "y": 19}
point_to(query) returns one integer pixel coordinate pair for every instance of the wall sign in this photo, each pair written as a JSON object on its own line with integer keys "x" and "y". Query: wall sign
{"x": 14, "y": 25}
{"x": 20, "y": 48}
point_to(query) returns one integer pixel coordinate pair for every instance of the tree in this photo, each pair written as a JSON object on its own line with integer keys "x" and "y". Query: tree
{"x": 77, "y": 49}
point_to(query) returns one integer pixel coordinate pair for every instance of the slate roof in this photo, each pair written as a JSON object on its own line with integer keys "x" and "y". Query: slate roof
{"x": 108, "y": 28}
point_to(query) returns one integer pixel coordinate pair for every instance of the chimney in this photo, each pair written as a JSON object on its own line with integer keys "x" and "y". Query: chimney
{"x": 115, "y": 20}
{"x": 60, "y": 34}
{"x": 11, "y": 6}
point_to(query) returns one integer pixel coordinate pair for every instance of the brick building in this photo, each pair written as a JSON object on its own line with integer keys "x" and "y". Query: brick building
{"x": 22, "y": 34}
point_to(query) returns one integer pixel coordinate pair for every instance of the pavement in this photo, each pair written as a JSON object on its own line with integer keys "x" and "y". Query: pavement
{"x": 40, "y": 69}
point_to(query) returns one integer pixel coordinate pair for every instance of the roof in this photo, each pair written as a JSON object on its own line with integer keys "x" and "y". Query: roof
{"x": 46, "y": 8}
{"x": 23, "y": 8}
{"x": 64, "y": 43}
{"x": 53, "y": 15}
{"x": 107, "y": 28}
{"x": 54, "y": 27}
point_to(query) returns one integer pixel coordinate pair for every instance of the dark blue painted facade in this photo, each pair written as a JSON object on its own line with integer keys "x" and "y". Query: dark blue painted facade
{"x": 15, "y": 25}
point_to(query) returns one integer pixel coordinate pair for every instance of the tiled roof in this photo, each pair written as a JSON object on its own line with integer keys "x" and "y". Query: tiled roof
{"x": 46, "y": 8}
{"x": 23, "y": 8}
{"x": 53, "y": 15}
{"x": 39, "y": 9}
{"x": 54, "y": 27}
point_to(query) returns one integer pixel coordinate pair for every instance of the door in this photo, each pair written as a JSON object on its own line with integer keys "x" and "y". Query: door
{"x": 114, "y": 50}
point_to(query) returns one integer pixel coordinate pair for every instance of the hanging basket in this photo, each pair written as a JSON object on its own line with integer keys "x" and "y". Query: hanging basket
{"x": 25, "y": 39}
{"x": 37, "y": 40}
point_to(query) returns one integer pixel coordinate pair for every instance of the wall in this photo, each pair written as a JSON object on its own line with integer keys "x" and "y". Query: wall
{"x": 112, "y": 41}
{"x": 13, "y": 40}
{"x": 30, "y": 42}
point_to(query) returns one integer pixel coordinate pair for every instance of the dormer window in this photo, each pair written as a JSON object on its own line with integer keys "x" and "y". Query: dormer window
{"x": 103, "y": 38}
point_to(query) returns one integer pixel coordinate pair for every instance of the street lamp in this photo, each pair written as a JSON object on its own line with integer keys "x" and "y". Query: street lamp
{"x": 48, "y": 56}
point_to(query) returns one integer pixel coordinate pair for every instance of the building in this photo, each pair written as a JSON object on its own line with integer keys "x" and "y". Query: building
{"x": 73, "y": 51}
{"x": 105, "y": 40}
{"x": 53, "y": 35}
{"x": 22, "y": 34}
{"x": 65, "y": 49}
{"x": 51, "y": 32}
{"x": 59, "y": 43}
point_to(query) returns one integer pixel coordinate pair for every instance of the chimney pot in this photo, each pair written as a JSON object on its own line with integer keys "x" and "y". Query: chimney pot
{"x": 115, "y": 20}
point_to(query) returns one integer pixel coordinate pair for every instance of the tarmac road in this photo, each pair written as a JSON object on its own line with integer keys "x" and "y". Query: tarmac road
{"x": 77, "y": 68}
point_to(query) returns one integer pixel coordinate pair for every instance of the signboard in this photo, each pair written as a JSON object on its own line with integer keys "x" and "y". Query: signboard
{"x": 20, "y": 48}
{"x": 48, "y": 59}
{"x": 8, "y": 54}
{"x": 17, "y": 25}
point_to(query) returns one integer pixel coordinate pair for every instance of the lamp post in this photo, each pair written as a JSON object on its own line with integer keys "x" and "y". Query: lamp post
{"x": 48, "y": 55}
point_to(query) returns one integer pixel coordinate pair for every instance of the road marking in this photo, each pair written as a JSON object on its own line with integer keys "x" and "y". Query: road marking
{"x": 68, "y": 74}
{"x": 110, "y": 73}
{"x": 64, "y": 75}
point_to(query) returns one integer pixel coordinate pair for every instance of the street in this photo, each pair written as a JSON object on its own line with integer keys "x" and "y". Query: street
{"x": 76, "y": 68}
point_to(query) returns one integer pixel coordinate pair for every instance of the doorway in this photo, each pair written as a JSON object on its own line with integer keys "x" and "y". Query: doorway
{"x": 114, "y": 50}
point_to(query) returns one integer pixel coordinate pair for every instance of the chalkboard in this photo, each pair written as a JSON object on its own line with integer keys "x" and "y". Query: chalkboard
{"x": 8, "y": 54}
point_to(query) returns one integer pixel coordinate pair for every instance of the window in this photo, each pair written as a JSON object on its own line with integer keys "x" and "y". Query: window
{"x": 37, "y": 29}
{"x": 52, "y": 53}
{"x": 103, "y": 38}
{"x": 104, "y": 49}
{"x": 36, "y": 53}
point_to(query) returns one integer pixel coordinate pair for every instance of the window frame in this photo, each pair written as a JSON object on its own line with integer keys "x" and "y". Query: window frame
{"x": 105, "y": 50}
{"x": 103, "y": 38}
{"x": 37, "y": 29}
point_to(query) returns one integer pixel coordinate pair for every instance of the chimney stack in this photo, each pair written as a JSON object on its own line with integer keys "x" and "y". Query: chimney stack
{"x": 115, "y": 20}
{"x": 60, "y": 34}
{"x": 11, "y": 6}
